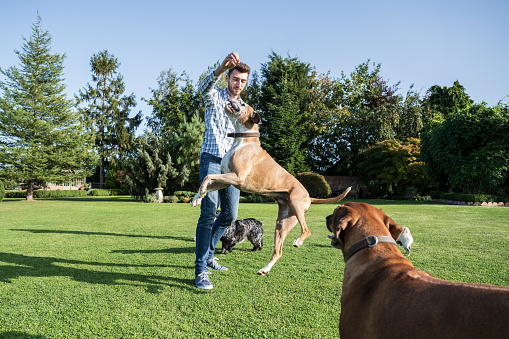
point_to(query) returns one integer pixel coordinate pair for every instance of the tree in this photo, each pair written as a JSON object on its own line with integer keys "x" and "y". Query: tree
{"x": 284, "y": 104}
{"x": 446, "y": 100}
{"x": 394, "y": 166}
{"x": 252, "y": 92}
{"x": 469, "y": 150}
{"x": 353, "y": 113}
{"x": 41, "y": 139}
{"x": 172, "y": 102}
{"x": 108, "y": 110}
{"x": 414, "y": 114}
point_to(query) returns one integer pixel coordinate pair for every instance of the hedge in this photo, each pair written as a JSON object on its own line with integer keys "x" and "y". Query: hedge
{"x": 465, "y": 197}
{"x": 39, "y": 194}
{"x": 97, "y": 192}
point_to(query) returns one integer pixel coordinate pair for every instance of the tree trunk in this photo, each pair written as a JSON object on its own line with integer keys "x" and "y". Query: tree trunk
{"x": 30, "y": 191}
{"x": 101, "y": 174}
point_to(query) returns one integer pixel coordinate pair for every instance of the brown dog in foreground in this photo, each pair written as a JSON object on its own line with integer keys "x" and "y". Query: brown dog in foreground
{"x": 384, "y": 296}
{"x": 248, "y": 167}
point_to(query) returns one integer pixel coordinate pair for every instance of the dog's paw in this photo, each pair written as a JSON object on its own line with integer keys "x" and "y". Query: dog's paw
{"x": 262, "y": 272}
{"x": 297, "y": 242}
{"x": 196, "y": 201}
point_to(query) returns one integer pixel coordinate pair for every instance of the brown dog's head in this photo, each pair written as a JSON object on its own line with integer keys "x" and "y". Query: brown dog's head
{"x": 352, "y": 222}
{"x": 242, "y": 114}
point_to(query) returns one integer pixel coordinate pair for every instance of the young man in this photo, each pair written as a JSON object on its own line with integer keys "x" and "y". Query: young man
{"x": 214, "y": 147}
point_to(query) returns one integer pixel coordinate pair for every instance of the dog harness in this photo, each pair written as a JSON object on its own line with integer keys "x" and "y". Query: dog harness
{"x": 370, "y": 241}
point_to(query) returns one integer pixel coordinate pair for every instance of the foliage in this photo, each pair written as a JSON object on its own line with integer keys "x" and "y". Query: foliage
{"x": 446, "y": 100}
{"x": 151, "y": 166}
{"x": 468, "y": 197}
{"x": 255, "y": 198}
{"x": 186, "y": 143}
{"x": 174, "y": 100}
{"x": 2, "y": 191}
{"x": 469, "y": 150}
{"x": 98, "y": 192}
{"x": 252, "y": 92}
{"x": 116, "y": 176}
{"x": 47, "y": 194}
{"x": 352, "y": 113}
{"x": 284, "y": 105}
{"x": 315, "y": 184}
{"x": 171, "y": 162}
{"x": 106, "y": 111}
{"x": 395, "y": 166}
{"x": 41, "y": 138}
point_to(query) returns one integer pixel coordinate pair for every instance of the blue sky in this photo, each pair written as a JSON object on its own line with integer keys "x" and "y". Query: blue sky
{"x": 417, "y": 42}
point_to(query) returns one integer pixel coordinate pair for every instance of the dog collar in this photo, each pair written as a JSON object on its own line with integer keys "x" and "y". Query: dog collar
{"x": 370, "y": 241}
{"x": 244, "y": 135}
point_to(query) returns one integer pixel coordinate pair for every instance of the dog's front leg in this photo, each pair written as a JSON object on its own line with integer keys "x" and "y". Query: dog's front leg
{"x": 214, "y": 182}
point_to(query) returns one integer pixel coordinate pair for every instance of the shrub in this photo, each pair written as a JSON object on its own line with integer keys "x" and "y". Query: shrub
{"x": 468, "y": 197}
{"x": 40, "y": 194}
{"x": 2, "y": 191}
{"x": 172, "y": 199}
{"x": 59, "y": 194}
{"x": 185, "y": 194}
{"x": 16, "y": 194}
{"x": 315, "y": 184}
{"x": 150, "y": 198}
{"x": 105, "y": 192}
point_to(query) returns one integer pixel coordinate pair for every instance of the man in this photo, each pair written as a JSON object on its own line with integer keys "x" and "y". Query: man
{"x": 214, "y": 147}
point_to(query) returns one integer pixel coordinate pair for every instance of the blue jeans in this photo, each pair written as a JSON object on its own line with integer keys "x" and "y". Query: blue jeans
{"x": 208, "y": 231}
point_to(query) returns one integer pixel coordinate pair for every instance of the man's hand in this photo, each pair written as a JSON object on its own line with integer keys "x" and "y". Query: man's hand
{"x": 229, "y": 62}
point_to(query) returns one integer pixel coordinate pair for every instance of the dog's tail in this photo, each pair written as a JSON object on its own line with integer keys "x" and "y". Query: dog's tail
{"x": 331, "y": 200}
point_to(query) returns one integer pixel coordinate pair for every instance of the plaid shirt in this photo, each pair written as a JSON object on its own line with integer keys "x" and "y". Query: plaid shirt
{"x": 217, "y": 124}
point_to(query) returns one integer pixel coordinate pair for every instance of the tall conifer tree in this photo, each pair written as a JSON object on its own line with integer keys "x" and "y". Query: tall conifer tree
{"x": 108, "y": 110}
{"x": 41, "y": 138}
{"x": 284, "y": 102}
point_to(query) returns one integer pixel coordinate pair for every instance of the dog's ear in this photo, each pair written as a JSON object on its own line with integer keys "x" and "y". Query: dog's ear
{"x": 255, "y": 117}
{"x": 395, "y": 229}
{"x": 342, "y": 217}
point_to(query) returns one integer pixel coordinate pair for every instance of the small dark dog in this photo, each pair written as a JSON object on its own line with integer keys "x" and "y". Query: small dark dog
{"x": 239, "y": 230}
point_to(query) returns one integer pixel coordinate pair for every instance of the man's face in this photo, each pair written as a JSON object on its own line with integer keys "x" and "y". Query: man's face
{"x": 236, "y": 83}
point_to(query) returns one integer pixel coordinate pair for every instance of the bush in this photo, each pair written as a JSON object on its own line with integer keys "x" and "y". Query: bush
{"x": 465, "y": 197}
{"x": 315, "y": 184}
{"x": 185, "y": 194}
{"x": 16, "y": 194}
{"x": 41, "y": 194}
{"x": 59, "y": 194}
{"x": 255, "y": 198}
{"x": 105, "y": 192}
{"x": 2, "y": 191}
{"x": 172, "y": 199}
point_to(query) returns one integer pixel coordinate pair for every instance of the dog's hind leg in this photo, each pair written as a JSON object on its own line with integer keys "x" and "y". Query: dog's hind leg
{"x": 300, "y": 208}
{"x": 285, "y": 222}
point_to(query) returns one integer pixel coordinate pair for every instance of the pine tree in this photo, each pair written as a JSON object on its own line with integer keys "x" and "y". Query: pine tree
{"x": 284, "y": 102}
{"x": 107, "y": 113}
{"x": 41, "y": 138}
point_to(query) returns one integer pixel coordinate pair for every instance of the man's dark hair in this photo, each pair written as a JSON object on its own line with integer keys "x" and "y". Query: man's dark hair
{"x": 241, "y": 67}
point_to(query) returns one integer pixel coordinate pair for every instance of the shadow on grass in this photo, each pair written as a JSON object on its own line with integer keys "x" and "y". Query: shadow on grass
{"x": 37, "y": 231}
{"x": 173, "y": 250}
{"x": 30, "y": 266}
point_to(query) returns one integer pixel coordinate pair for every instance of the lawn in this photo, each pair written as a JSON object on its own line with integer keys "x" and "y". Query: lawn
{"x": 116, "y": 268}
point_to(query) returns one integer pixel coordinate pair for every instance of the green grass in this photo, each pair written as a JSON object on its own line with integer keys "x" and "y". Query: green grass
{"x": 111, "y": 267}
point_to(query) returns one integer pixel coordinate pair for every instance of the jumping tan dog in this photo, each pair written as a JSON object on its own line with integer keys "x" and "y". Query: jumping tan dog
{"x": 250, "y": 168}
{"x": 384, "y": 296}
